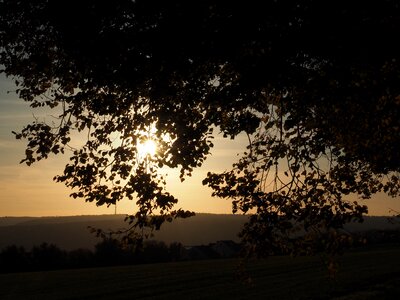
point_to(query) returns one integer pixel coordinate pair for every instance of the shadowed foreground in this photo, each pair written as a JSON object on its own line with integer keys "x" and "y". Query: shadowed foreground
{"x": 365, "y": 274}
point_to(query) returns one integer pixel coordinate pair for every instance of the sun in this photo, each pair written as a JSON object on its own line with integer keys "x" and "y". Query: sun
{"x": 147, "y": 148}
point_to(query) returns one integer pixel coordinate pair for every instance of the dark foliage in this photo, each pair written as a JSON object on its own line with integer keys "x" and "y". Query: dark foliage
{"x": 109, "y": 252}
{"x": 314, "y": 84}
{"x": 14, "y": 259}
{"x": 47, "y": 257}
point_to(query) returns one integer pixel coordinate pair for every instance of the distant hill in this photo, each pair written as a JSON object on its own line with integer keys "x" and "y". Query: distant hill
{"x": 66, "y": 232}
{"x": 373, "y": 223}
{"x": 71, "y": 232}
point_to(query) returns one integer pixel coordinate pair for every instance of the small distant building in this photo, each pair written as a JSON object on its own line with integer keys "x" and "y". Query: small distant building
{"x": 219, "y": 249}
{"x": 200, "y": 252}
{"x": 226, "y": 248}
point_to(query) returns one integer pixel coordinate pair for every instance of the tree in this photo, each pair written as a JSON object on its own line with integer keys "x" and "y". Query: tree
{"x": 110, "y": 252}
{"x": 176, "y": 251}
{"x": 48, "y": 257}
{"x": 14, "y": 259}
{"x": 314, "y": 85}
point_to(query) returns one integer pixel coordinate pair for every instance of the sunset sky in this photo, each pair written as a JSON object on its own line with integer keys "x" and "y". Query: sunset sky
{"x": 30, "y": 191}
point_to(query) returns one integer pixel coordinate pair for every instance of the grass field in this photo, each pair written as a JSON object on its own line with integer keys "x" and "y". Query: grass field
{"x": 372, "y": 273}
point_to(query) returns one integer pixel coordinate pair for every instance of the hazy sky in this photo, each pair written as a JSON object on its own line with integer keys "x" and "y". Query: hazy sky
{"x": 30, "y": 191}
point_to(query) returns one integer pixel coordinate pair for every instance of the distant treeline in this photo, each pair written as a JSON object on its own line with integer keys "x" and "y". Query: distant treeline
{"x": 109, "y": 252}
{"x": 377, "y": 236}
